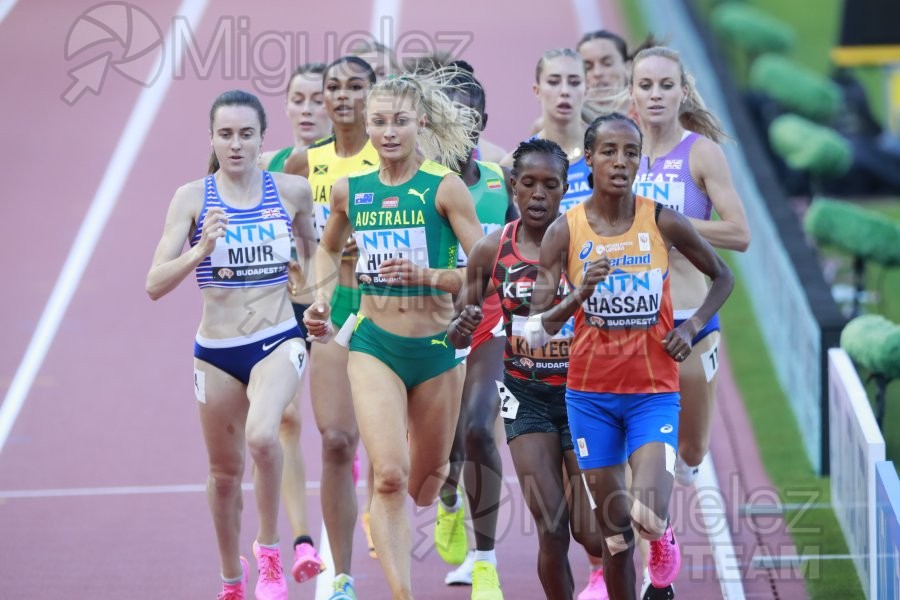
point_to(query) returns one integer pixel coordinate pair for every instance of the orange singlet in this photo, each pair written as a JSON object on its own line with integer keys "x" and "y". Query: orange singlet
{"x": 619, "y": 330}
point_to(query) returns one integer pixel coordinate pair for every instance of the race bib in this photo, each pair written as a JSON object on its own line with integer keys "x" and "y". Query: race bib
{"x": 625, "y": 300}
{"x": 509, "y": 404}
{"x": 668, "y": 193}
{"x": 320, "y": 212}
{"x": 551, "y": 358}
{"x": 252, "y": 252}
{"x": 710, "y": 360}
{"x": 200, "y": 386}
{"x": 377, "y": 246}
{"x": 579, "y": 191}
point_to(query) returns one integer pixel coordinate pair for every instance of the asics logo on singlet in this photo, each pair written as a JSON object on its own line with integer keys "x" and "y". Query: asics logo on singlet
{"x": 418, "y": 194}
{"x": 586, "y": 250}
{"x": 267, "y": 347}
{"x": 666, "y": 429}
{"x": 442, "y": 342}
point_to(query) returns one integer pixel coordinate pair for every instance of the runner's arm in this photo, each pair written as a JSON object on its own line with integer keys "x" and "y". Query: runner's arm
{"x": 477, "y": 285}
{"x": 731, "y": 230}
{"x": 170, "y": 266}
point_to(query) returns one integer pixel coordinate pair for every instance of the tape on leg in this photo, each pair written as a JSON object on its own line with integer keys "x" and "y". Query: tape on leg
{"x": 617, "y": 543}
{"x": 343, "y": 336}
{"x": 651, "y": 526}
{"x": 670, "y": 460}
{"x": 587, "y": 491}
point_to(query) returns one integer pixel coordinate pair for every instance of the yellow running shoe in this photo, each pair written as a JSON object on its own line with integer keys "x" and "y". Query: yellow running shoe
{"x": 450, "y": 534}
{"x": 485, "y": 582}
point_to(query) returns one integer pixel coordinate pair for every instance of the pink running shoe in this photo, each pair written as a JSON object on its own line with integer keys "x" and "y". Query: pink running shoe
{"x": 357, "y": 467}
{"x": 307, "y": 563}
{"x": 665, "y": 559}
{"x": 596, "y": 587}
{"x": 271, "y": 584}
{"x": 236, "y": 591}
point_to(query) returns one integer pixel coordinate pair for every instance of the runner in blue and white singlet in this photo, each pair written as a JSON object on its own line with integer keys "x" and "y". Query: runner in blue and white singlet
{"x": 257, "y": 244}
{"x": 248, "y": 359}
{"x": 560, "y": 88}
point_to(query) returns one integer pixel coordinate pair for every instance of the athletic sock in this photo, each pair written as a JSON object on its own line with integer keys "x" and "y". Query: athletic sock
{"x": 487, "y": 556}
{"x": 303, "y": 539}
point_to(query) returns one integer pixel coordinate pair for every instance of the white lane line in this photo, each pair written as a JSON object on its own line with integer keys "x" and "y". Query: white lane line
{"x": 126, "y": 490}
{"x": 588, "y": 14}
{"x": 136, "y": 490}
{"x": 5, "y": 7}
{"x": 712, "y": 507}
{"x": 117, "y": 171}
{"x": 795, "y": 561}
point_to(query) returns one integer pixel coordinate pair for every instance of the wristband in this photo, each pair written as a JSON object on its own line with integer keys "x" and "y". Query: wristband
{"x": 535, "y": 334}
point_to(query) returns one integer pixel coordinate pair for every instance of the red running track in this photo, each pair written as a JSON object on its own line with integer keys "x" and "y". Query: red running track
{"x": 101, "y": 477}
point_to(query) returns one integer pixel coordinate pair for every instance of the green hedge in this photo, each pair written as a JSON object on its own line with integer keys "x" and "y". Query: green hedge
{"x": 796, "y": 87}
{"x": 806, "y": 146}
{"x": 873, "y": 343}
{"x": 750, "y": 29}
{"x": 854, "y": 230}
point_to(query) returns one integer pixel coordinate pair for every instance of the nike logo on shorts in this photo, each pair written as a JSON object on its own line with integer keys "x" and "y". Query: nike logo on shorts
{"x": 267, "y": 347}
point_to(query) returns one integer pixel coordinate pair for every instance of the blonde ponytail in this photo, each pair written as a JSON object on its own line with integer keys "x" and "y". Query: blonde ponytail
{"x": 449, "y": 126}
{"x": 694, "y": 115}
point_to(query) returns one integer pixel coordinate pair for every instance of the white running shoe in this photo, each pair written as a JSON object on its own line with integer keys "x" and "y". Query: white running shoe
{"x": 462, "y": 575}
{"x": 685, "y": 474}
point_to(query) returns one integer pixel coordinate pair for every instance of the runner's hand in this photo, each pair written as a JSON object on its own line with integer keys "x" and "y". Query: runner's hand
{"x": 215, "y": 223}
{"x": 317, "y": 319}
{"x": 596, "y": 272}
{"x": 350, "y": 248}
{"x": 461, "y": 328}
{"x": 678, "y": 342}
{"x": 403, "y": 271}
